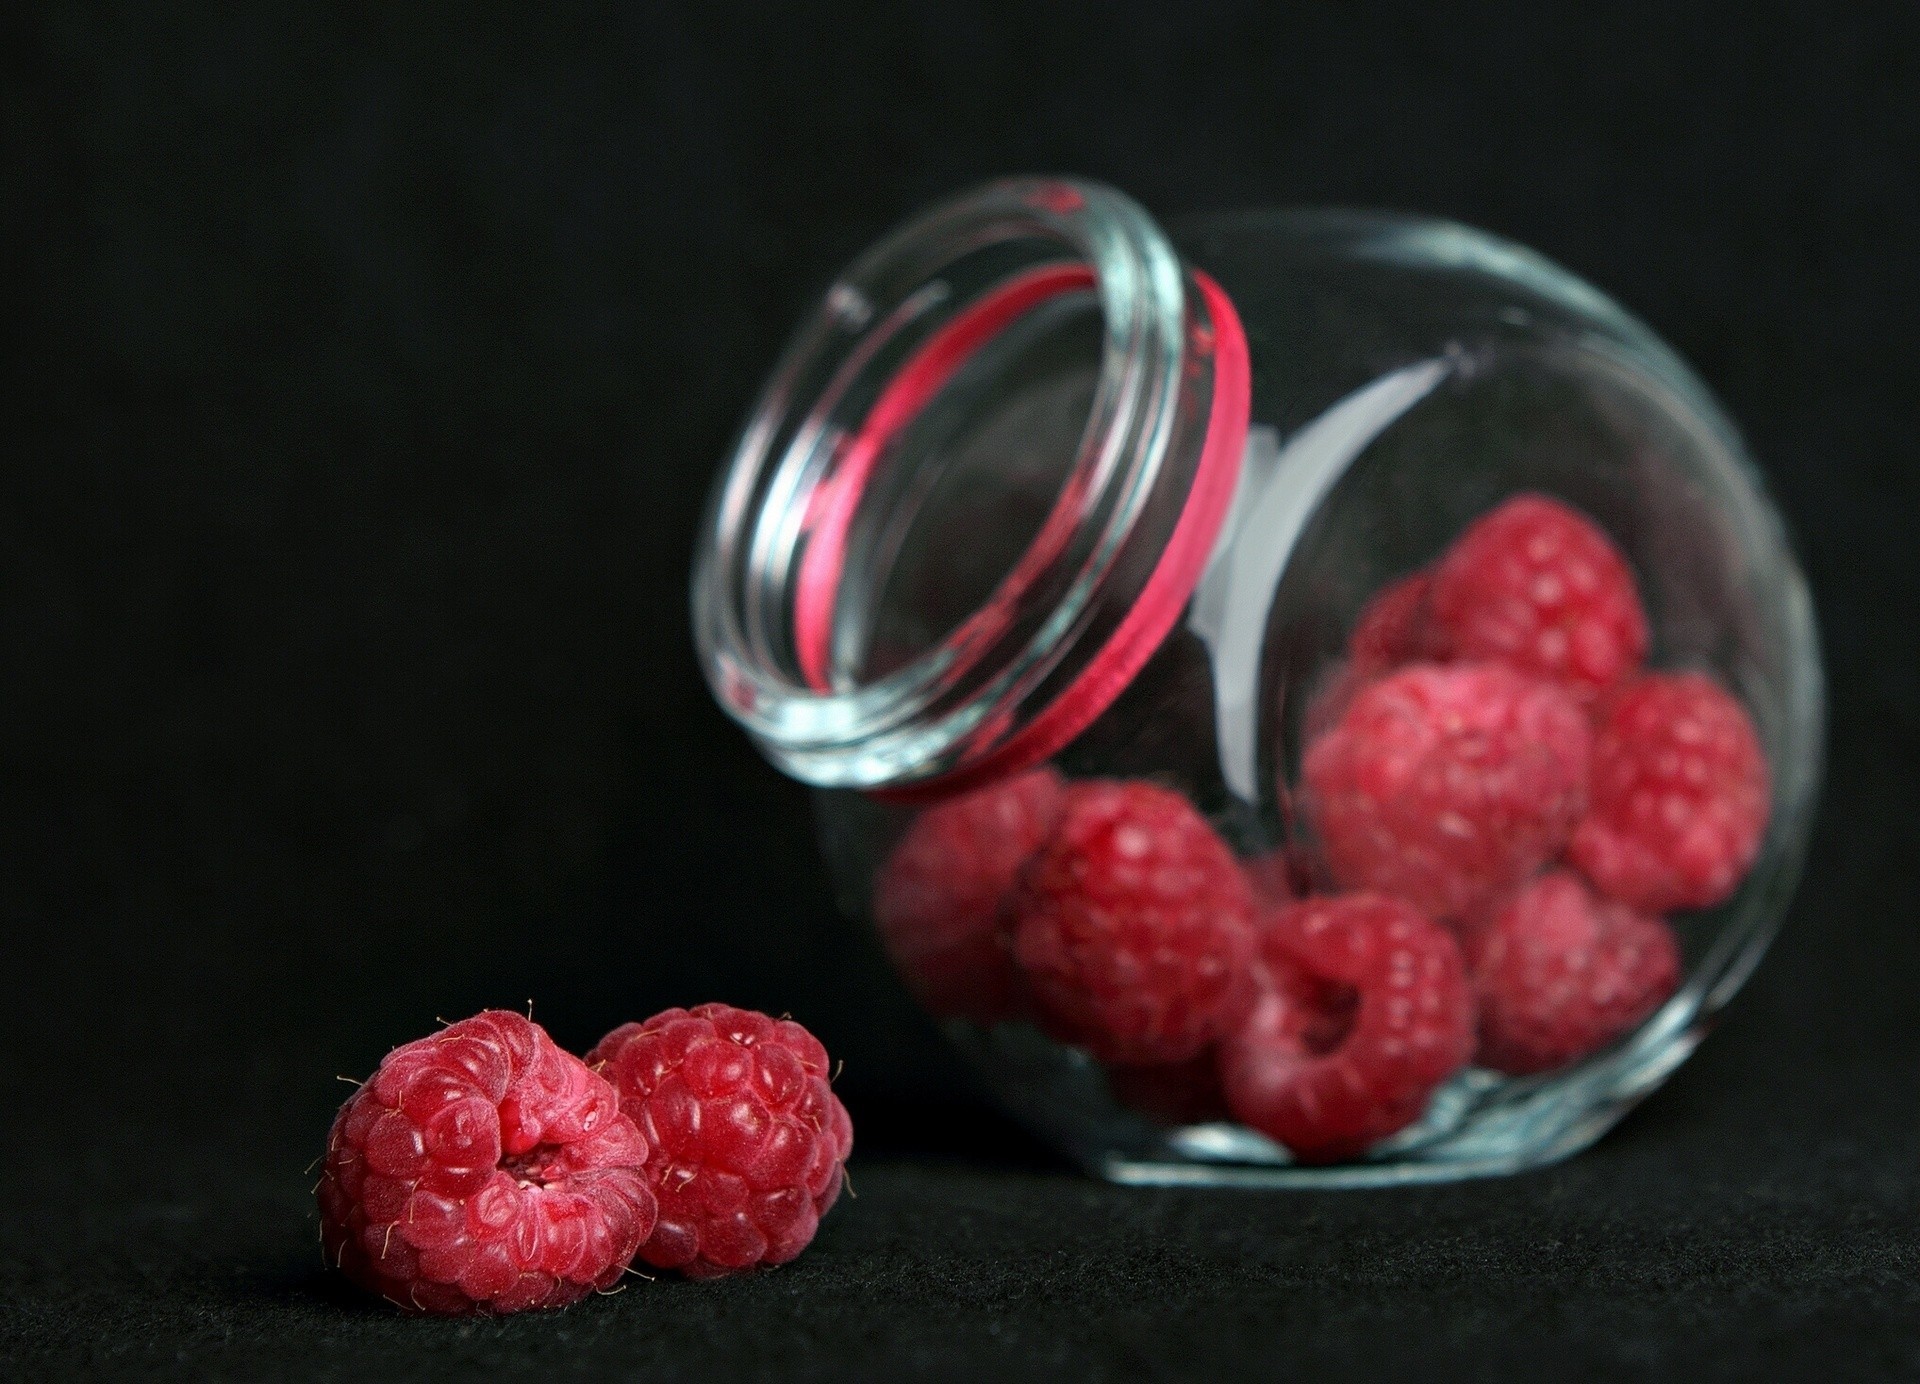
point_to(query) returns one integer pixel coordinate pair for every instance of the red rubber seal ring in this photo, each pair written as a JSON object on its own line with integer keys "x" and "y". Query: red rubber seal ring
{"x": 1154, "y": 611}
{"x": 832, "y": 506}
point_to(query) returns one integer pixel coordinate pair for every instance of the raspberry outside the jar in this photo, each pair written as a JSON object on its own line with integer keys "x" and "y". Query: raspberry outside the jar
{"x": 748, "y": 1142}
{"x": 483, "y": 1169}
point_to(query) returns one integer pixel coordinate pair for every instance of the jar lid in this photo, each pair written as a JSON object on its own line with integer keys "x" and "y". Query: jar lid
{"x": 976, "y": 493}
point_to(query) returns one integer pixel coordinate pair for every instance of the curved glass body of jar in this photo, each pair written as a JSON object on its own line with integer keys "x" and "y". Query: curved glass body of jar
{"x": 1045, "y": 505}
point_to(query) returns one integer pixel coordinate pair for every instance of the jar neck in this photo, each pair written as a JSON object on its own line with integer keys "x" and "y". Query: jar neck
{"x": 841, "y": 461}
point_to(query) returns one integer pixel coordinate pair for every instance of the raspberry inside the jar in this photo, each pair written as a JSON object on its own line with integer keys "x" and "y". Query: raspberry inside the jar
{"x": 941, "y": 900}
{"x": 1680, "y": 795}
{"x": 1444, "y": 783}
{"x": 1133, "y": 926}
{"x": 1491, "y": 738}
{"x": 1536, "y": 584}
{"x": 1561, "y": 972}
{"x": 1364, "y": 1010}
{"x": 1660, "y": 799}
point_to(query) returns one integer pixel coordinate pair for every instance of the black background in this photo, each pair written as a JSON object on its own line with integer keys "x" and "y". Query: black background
{"x": 365, "y": 370}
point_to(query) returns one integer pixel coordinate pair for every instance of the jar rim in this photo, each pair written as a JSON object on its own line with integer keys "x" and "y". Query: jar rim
{"x": 767, "y": 569}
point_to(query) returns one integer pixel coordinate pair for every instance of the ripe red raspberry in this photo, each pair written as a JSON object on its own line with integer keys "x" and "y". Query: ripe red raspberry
{"x": 1395, "y": 627}
{"x": 749, "y": 1142}
{"x": 1134, "y": 926}
{"x": 1561, "y": 973}
{"x": 1679, "y": 795}
{"x": 1445, "y": 783}
{"x": 1538, "y": 585}
{"x": 484, "y": 1170}
{"x": 939, "y": 900}
{"x": 1365, "y": 1009}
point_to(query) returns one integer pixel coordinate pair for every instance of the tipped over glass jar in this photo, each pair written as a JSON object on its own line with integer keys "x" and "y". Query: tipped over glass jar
{"x": 1317, "y": 698}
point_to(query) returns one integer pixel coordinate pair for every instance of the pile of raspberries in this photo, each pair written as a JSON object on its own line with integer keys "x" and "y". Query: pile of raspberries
{"x": 1503, "y": 802}
{"x": 484, "y": 1169}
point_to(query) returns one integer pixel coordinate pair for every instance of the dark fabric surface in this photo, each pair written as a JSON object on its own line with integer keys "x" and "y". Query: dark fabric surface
{"x": 365, "y": 368}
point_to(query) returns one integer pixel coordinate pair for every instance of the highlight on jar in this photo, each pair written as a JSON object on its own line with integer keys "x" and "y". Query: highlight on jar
{"x": 1302, "y": 697}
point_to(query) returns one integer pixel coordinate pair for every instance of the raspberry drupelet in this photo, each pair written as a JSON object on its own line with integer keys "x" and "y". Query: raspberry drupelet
{"x": 1134, "y": 926}
{"x": 483, "y": 1169}
{"x": 1364, "y": 1009}
{"x": 1536, "y": 584}
{"x": 1679, "y": 795}
{"x": 1560, "y": 973}
{"x": 1444, "y": 784}
{"x": 940, "y": 899}
{"x": 748, "y": 1141}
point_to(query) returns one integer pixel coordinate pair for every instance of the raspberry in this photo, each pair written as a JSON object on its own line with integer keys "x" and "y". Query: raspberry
{"x": 1364, "y": 1009}
{"x": 1561, "y": 973}
{"x": 1392, "y": 629}
{"x": 1536, "y": 584}
{"x": 749, "y": 1141}
{"x": 1679, "y": 795}
{"x": 1395, "y": 628}
{"x": 1134, "y": 925}
{"x": 1445, "y": 783}
{"x": 484, "y": 1170}
{"x": 939, "y": 900}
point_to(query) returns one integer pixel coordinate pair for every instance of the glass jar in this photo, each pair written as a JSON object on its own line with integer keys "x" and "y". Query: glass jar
{"x": 1320, "y": 697}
